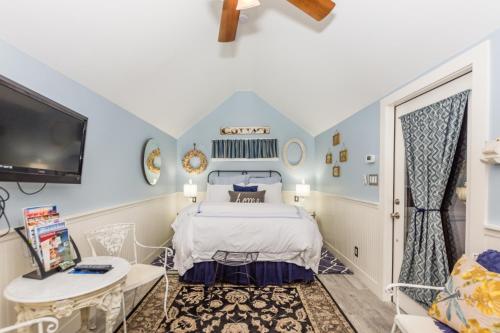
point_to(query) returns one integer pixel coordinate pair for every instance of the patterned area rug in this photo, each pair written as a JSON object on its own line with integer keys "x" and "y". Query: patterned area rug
{"x": 329, "y": 264}
{"x": 294, "y": 308}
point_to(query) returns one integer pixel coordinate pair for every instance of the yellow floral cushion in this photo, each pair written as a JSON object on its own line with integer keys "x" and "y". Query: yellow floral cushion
{"x": 470, "y": 302}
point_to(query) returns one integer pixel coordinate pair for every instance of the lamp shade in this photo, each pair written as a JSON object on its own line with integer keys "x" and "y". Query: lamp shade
{"x": 190, "y": 190}
{"x": 303, "y": 190}
{"x": 245, "y": 4}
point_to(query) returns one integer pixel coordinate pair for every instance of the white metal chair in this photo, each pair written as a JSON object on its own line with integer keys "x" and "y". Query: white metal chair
{"x": 411, "y": 323}
{"x": 44, "y": 325}
{"x": 119, "y": 240}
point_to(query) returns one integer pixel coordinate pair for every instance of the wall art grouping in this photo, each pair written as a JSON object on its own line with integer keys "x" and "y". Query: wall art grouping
{"x": 342, "y": 157}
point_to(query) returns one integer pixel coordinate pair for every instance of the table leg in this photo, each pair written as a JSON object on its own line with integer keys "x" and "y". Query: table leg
{"x": 22, "y": 316}
{"x": 111, "y": 305}
{"x": 84, "y": 320}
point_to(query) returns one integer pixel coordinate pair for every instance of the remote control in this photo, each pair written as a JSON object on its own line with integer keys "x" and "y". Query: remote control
{"x": 94, "y": 267}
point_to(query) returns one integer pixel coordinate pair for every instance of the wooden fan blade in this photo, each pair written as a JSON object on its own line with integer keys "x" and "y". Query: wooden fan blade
{"x": 229, "y": 21}
{"x": 317, "y": 9}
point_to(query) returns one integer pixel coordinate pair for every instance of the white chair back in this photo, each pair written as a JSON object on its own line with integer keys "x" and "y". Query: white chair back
{"x": 43, "y": 325}
{"x": 116, "y": 240}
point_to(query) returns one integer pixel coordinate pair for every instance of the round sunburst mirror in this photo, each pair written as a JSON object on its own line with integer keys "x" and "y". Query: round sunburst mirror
{"x": 152, "y": 162}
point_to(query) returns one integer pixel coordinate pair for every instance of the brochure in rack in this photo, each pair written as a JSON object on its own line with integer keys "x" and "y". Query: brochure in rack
{"x": 48, "y": 235}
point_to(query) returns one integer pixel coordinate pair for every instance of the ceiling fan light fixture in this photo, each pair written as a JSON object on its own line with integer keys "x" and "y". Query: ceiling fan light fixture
{"x": 246, "y": 4}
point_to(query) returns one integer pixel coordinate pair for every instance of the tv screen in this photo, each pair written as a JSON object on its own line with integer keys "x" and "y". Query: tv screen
{"x": 40, "y": 140}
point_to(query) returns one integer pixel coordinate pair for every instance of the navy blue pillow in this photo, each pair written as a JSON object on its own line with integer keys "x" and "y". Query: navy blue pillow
{"x": 238, "y": 188}
{"x": 490, "y": 260}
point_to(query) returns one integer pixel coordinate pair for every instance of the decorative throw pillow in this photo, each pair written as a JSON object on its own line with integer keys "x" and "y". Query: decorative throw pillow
{"x": 471, "y": 299}
{"x": 247, "y": 197}
{"x": 238, "y": 188}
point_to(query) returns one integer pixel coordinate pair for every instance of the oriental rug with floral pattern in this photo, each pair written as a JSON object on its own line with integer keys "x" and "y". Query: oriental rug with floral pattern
{"x": 293, "y": 308}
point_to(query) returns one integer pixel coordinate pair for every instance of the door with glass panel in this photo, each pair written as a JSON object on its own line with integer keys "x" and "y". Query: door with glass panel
{"x": 456, "y": 223}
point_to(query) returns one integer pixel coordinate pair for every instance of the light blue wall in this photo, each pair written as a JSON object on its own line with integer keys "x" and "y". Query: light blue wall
{"x": 494, "y": 213}
{"x": 360, "y": 135}
{"x": 112, "y": 171}
{"x": 245, "y": 109}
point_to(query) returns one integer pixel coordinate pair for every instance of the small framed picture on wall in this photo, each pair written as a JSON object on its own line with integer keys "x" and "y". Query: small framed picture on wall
{"x": 336, "y": 139}
{"x": 336, "y": 171}
{"x": 329, "y": 158}
{"x": 343, "y": 156}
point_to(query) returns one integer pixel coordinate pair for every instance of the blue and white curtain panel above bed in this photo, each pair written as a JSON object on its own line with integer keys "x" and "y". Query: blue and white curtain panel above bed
{"x": 248, "y": 149}
{"x": 431, "y": 136}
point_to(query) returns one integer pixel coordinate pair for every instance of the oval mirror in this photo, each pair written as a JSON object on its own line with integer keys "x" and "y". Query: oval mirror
{"x": 152, "y": 162}
{"x": 294, "y": 153}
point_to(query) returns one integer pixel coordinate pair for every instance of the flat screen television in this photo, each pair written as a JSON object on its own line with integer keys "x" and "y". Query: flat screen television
{"x": 40, "y": 140}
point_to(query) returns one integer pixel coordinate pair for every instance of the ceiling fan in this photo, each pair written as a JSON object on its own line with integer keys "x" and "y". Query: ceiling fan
{"x": 317, "y": 9}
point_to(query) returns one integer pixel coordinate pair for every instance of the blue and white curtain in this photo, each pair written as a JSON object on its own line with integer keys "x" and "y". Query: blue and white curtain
{"x": 257, "y": 148}
{"x": 431, "y": 136}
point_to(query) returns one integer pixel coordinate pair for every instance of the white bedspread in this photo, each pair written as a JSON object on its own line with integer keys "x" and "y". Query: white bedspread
{"x": 278, "y": 232}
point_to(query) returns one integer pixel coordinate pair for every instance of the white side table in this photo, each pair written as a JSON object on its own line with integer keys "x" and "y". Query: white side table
{"x": 61, "y": 294}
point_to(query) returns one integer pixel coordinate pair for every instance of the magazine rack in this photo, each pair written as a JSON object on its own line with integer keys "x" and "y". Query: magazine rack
{"x": 41, "y": 273}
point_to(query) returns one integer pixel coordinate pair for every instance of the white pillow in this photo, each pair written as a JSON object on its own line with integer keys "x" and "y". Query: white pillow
{"x": 273, "y": 192}
{"x": 218, "y": 193}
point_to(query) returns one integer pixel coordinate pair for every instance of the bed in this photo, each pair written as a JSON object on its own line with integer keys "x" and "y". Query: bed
{"x": 286, "y": 237}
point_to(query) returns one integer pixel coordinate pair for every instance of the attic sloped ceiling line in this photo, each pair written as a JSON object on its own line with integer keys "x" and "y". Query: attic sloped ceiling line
{"x": 161, "y": 60}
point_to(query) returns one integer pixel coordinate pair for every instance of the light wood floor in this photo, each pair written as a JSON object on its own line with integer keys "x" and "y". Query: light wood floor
{"x": 365, "y": 311}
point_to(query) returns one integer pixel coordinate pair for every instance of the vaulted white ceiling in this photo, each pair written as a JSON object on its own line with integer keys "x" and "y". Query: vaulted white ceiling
{"x": 160, "y": 59}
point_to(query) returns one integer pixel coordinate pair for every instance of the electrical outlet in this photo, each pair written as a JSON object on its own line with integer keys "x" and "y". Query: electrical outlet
{"x": 356, "y": 252}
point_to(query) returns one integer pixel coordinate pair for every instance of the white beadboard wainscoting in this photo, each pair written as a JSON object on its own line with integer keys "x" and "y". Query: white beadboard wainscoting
{"x": 152, "y": 218}
{"x": 346, "y": 223}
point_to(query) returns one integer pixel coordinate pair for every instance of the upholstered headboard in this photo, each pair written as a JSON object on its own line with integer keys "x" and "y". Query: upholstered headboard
{"x": 252, "y": 173}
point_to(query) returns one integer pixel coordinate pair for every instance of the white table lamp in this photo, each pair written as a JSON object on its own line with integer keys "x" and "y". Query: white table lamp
{"x": 191, "y": 190}
{"x": 302, "y": 191}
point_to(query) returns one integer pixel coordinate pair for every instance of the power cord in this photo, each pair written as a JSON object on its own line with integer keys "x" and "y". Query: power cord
{"x": 31, "y": 193}
{"x": 4, "y": 196}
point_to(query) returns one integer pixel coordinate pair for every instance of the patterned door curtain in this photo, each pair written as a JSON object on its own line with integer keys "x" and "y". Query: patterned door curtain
{"x": 431, "y": 136}
{"x": 250, "y": 149}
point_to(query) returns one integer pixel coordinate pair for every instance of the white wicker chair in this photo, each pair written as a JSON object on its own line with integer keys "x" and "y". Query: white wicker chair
{"x": 44, "y": 325}
{"x": 411, "y": 323}
{"x": 119, "y": 240}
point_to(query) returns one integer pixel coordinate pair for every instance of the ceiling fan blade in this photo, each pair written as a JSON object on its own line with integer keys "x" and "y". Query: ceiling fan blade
{"x": 317, "y": 9}
{"x": 229, "y": 21}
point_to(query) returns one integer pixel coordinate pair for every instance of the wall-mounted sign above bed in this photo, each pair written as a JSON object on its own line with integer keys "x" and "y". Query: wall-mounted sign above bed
{"x": 245, "y": 130}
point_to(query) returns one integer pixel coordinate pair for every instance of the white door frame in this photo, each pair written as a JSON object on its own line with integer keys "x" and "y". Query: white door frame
{"x": 476, "y": 59}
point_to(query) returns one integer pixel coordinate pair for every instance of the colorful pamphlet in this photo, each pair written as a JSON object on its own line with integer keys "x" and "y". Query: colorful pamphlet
{"x": 55, "y": 248}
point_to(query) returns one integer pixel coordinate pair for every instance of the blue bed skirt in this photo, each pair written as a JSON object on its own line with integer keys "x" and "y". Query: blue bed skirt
{"x": 262, "y": 274}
